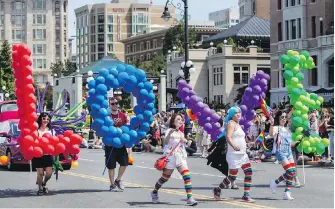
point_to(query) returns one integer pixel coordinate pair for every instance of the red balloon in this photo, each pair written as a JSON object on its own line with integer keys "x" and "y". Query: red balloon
{"x": 75, "y": 149}
{"x": 32, "y": 117}
{"x": 28, "y": 156}
{"x": 28, "y": 141}
{"x": 44, "y": 142}
{"x": 38, "y": 152}
{"x": 49, "y": 149}
{"x": 25, "y": 131}
{"x": 24, "y": 50}
{"x": 29, "y": 88}
{"x": 19, "y": 84}
{"x": 25, "y": 60}
{"x": 48, "y": 136}
{"x": 65, "y": 140}
{"x": 31, "y": 108}
{"x": 30, "y": 98}
{"x": 18, "y": 93}
{"x": 68, "y": 133}
{"x": 54, "y": 140}
{"x": 28, "y": 150}
{"x": 37, "y": 143}
{"x": 15, "y": 47}
{"x": 27, "y": 70}
{"x": 76, "y": 139}
{"x": 34, "y": 134}
{"x": 60, "y": 148}
{"x": 28, "y": 79}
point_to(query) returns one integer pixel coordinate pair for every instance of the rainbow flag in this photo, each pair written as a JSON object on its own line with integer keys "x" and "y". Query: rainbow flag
{"x": 260, "y": 139}
{"x": 266, "y": 109}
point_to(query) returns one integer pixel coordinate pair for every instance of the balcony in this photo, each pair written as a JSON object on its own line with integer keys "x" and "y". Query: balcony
{"x": 292, "y": 44}
{"x": 327, "y": 40}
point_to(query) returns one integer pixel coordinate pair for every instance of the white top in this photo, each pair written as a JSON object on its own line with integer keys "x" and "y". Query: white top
{"x": 238, "y": 139}
{"x": 284, "y": 138}
{"x": 175, "y": 137}
{"x": 40, "y": 132}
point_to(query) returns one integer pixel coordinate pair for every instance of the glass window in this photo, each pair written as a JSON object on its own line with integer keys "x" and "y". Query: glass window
{"x": 280, "y": 31}
{"x": 293, "y": 29}
{"x": 279, "y": 4}
{"x": 101, "y": 38}
{"x": 110, "y": 37}
{"x": 299, "y": 27}
{"x": 101, "y": 18}
{"x": 65, "y": 6}
{"x": 101, "y": 47}
{"x": 101, "y": 28}
{"x": 39, "y": 4}
{"x": 2, "y": 21}
{"x": 140, "y": 18}
{"x": 313, "y": 27}
{"x": 2, "y": 5}
{"x": 110, "y": 28}
{"x": 57, "y": 18}
{"x": 110, "y": 47}
{"x": 110, "y": 19}
{"x": 57, "y": 51}
{"x": 18, "y": 20}
{"x": 65, "y": 21}
{"x": 57, "y": 6}
{"x": 18, "y": 5}
{"x": 287, "y": 30}
{"x": 101, "y": 55}
{"x": 2, "y": 35}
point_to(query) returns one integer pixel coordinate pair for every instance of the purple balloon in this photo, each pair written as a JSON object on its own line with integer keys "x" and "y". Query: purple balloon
{"x": 215, "y": 117}
{"x": 263, "y": 95}
{"x": 182, "y": 83}
{"x": 257, "y": 89}
{"x": 208, "y": 119}
{"x": 252, "y": 80}
{"x": 206, "y": 111}
{"x": 202, "y": 122}
{"x": 263, "y": 82}
{"x": 243, "y": 109}
{"x": 245, "y": 99}
{"x": 248, "y": 90}
{"x": 193, "y": 99}
{"x": 255, "y": 97}
{"x": 191, "y": 92}
{"x": 199, "y": 99}
{"x": 265, "y": 89}
{"x": 199, "y": 106}
{"x": 216, "y": 126}
{"x": 260, "y": 72}
{"x": 188, "y": 86}
{"x": 187, "y": 100}
{"x": 267, "y": 77}
{"x": 208, "y": 127}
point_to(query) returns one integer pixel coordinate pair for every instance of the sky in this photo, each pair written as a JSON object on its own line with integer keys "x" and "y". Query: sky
{"x": 198, "y": 9}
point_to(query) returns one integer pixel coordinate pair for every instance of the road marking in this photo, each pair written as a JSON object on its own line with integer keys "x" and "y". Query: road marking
{"x": 169, "y": 191}
{"x": 86, "y": 159}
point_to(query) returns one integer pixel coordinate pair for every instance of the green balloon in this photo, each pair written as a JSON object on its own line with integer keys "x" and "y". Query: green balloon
{"x": 308, "y": 150}
{"x": 295, "y": 70}
{"x": 325, "y": 142}
{"x": 299, "y": 148}
{"x": 284, "y": 59}
{"x": 297, "y": 113}
{"x": 306, "y": 144}
{"x": 313, "y": 96}
{"x": 290, "y": 53}
{"x": 297, "y": 121}
{"x": 320, "y": 99}
{"x": 312, "y": 141}
{"x": 294, "y": 80}
{"x": 305, "y": 124}
{"x": 305, "y": 53}
{"x": 296, "y": 93}
{"x": 300, "y": 76}
{"x": 288, "y": 75}
{"x": 304, "y": 117}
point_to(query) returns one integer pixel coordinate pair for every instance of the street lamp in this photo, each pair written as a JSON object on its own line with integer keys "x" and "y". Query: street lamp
{"x": 187, "y": 64}
{"x": 3, "y": 88}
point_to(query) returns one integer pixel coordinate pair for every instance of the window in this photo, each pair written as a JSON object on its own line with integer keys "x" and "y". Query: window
{"x": 287, "y": 30}
{"x": 140, "y": 18}
{"x": 57, "y": 6}
{"x": 93, "y": 48}
{"x": 110, "y": 28}
{"x": 293, "y": 29}
{"x": 101, "y": 47}
{"x": 65, "y": 36}
{"x": 280, "y": 31}
{"x": 18, "y": 20}
{"x": 148, "y": 57}
{"x": 313, "y": 27}
{"x": 241, "y": 11}
{"x": 241, "y": 75}
{"x": 2, "y": 5}
{"x": 57, "y": 51}
{"x": 283, "y": 84}
{"x": 39, "y": 49}
{"x": 39, "y": 4}
{"x": 141, "y": 46}
{"x": 65, "y": 6}
{"x": 18, "y": 5}
{"x": 110, "y": 47}
{"x": 100, "y": 56}
{"x": 218, "y": 76}
{"x": 2, "y": 35}
{"x": 101, "y": 18}
{"x": 40, "y": 19}
{"x": 100, "y": 28}
{"x": 92, "y": 38}
{"x": 254, "y": 7}
{"x": 154, "y": 44}
{"x": 321, "y": 28}
{"x": 279, "y": 4}
{"x": 18, "y": 35}
{"x": 40, "y": 34}
{"x": 2, "y": 21}
{"x": 313, "y": 74}
{"x": 57, "y": 18}
{"x": 65, "y": 21}
{"x": 292, "y": 3}
{"x": 110, "y": 19}
{"x": 65, "y": 50}
{"x": 101, "y": 38}
{"x": 331, "y": 73}
{"x": 134, "y": 47}
{"x": 286, "y": 3}
{"x": 92, "y": 19}
{"x": 128, "y": 50}
{"x": 92, "y": 28}
{"x": 39, "y": 63}
{"x": 299, "y": 27}
{"x": 148, "y": 45}
{"x": 312, "y": 1}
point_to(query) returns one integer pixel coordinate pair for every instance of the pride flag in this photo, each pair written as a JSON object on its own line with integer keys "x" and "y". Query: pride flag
{"x": 266, "y": 109}
{"x": 260, "y": 139}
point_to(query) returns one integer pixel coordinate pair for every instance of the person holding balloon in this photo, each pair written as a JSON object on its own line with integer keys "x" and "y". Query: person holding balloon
{"x": 44, "y": 163}
{"x": 236, "y": 156}
{"x": 114, "y": 154}
{"x": 176, "y": 154}
{"x": 282, "y": 150}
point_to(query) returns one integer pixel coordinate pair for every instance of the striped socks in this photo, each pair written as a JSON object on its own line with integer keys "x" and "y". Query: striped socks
{"x": 231, "y": 177}
{"x": 161, "y": 181}
{"x": 187, "y": 181}
{"x": 287, "y": 176}
{"x": 247, "y": 178}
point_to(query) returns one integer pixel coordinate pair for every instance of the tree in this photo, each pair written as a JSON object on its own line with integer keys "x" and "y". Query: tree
{"x": 69, "y": 67}
{"x": 6, "y": 71}
{"x": 57, "y": 68}
{"x": 240, "y": 93}
{"x": 152, "y": 67}
{"x": 175, "y": 36}
{"x": 64, "y": 69}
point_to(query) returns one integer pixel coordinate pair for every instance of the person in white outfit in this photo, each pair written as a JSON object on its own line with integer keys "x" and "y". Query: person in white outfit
{"x": 205, "y": 142}
{"x": 175, "y": 142}
{"x": 237, "y": 156}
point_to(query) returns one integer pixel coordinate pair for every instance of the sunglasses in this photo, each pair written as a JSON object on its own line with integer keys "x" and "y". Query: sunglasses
{"x": 113, "y": 103}
{"x": 283, "y": 117}
{"x": 45, "y": 119}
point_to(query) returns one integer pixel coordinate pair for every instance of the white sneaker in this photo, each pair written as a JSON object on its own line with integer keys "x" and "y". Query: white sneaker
{"x": 297, "y": 183}
{"x": 273, "y": 186}
{"x": 154, "y": 197}
{"x": 287, "y": 196}
{"x": 276, "y": 162}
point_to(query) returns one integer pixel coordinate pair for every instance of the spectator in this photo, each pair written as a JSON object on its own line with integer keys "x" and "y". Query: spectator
{"x": 191, "y": 146}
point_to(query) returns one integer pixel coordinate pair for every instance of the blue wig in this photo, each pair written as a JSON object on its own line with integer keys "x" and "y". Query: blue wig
{"x": 230, "y": 114}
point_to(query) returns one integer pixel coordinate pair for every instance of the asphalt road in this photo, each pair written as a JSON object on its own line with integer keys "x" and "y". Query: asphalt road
{"x": 86, "y": 187}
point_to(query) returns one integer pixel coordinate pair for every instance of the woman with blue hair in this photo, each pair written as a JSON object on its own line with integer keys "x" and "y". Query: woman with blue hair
{"x": 236, "y": 154}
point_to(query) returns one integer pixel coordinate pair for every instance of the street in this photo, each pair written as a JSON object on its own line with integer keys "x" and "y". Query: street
{"x": 85, "y": 187}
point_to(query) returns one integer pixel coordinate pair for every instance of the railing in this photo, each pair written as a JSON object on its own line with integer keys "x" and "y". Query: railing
{"x": 327, "y": 40}
{"x": 292, "y": 44}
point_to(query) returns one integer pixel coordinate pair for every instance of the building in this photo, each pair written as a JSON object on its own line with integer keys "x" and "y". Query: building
{"x": 101, "y": 27}
{"x": 250, "y": 8}
{"x": 42, "y": 25}
{"x": 145, "y": 46}
{"x": 215, "y": 70}
{"x": 225, "y": 18}
{"x": 303, "y": 25}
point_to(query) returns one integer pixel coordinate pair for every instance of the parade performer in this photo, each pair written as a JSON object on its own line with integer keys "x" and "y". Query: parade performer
{"x": 174, "y": 148}
{"x": 113, "y": 154}
{"x": 282, "y": 150}
{"x": 45, "y": 162}
{"x": 236, "y": 154}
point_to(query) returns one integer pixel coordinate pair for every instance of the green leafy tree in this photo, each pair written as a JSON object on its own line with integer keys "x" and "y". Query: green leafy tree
{"x": 175, "y": 36}
{"x": 6, "y": 71}
{"x": 240, "y": 93}
{"x": 154, "y": 66}
{"x": 64, "y": 69}
{"x": 57, "y": 68}
{"x": 69, "y": 67}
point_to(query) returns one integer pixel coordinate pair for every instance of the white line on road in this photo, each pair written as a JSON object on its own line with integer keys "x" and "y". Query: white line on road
{"x": 86, "y": 160}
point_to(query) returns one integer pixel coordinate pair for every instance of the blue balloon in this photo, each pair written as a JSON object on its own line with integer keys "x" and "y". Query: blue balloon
{"x": 125, "y": 138}
{"x": 113, "y": 71}
{"x": 120, "y": 68}
{"x": 90, "y": 100}
{"x": 115, "y": 83}
{"x": 123, "y": 77}
{"x": 150, "y": 106}
{"x": 103, "y": 72}
{"x": 105, "y": 104}
{"x": 134, "y": 122}
{"x": 153, "y": 111}
{"x": 99, "y": 121}
{"x": 100, "y": 99}
{"x": 128, "y": 88}
{"x": 133, "y": 134}
{"x": 118, "y": 132}
{"x": 132, "y": 79}
{"x": 151, "y": 97}
{"x": 148, "y": 86}
{"x": 101, "y": 89}
{"x": 107, "y": 140}
{"x": 140, "y": 117}
{"x": 91, "y": 92}
{"x": 147, "y": 115}
{"x": 116, "y": 142}
{"x": 109, "y": 80}
{"x": 100, "y": 80}
{"x": 95, "y": 107}
{"x": 136, "y": 92}
{"x": 145, "y": 127}
{"x": 140, "y": 75}
{"x": 91, "y": 84}
{"x": 138, "y": 110}
{"x": 94, "y": 113}
{"x": 130, "y": 144}
{"x": 140, "y": 85}
{"x": 108, "y": 121}
{"x": 130, "y": 69}
{"x": 124, "y": 129}
{"x": 112, "y": 131}
{"x": 151, "y": 120}
{"x": 104, "y": 130}
{"x": 141, "y": 134}
{"x": 103, "y": 113}
{"x": 143, "y": 92}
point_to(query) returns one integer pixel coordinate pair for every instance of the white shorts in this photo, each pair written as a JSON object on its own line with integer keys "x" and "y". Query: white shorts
{"x": 174, "y": 163}
{"x": 236, "y": 161}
